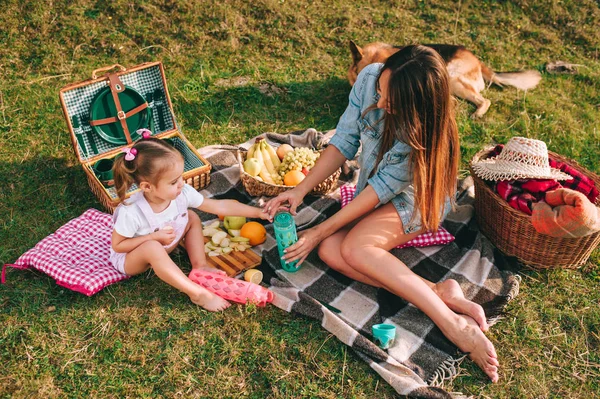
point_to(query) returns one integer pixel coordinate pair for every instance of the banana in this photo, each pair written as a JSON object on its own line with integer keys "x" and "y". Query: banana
{"x": 251, "y": 151}
{"x": 273, "y": 155}
{"x": 264, "y": 174}
{"x": 267, "y": 159}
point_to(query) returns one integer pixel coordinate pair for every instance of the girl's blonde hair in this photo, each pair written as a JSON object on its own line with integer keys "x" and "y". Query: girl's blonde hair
{"x": 152, "y": 157}
{"x": 423, "y": 117}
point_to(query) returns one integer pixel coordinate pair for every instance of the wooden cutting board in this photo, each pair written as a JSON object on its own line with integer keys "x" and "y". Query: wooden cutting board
{"x": 234, "y": 262}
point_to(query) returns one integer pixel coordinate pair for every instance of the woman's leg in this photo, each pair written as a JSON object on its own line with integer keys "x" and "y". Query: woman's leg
{"x": 365, "y": 249}
{"x": 330, "y": 252}
{"x": 153, "y": 254}
{"x": 449, "y": 290}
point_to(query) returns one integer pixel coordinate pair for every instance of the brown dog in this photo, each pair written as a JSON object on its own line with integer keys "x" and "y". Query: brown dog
{"x": 467, "y": 73}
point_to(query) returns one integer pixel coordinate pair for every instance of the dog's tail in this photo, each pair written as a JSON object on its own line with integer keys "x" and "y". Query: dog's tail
{"x": 523, "y": 80}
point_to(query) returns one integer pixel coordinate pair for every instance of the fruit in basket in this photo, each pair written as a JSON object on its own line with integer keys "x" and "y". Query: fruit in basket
{"x": 234, "y": 222}
{"x": 266, "y": 158}
{"x": 301, "y": 157}
{"x": 252, "y": 167}
{"x": 272, "y": 154}
{"x": 264, "y": 172}
{"x": 293, "y": 178}
{"x": 271, "y": 161}
{"x": 254, "y": 232}
{"x": 284, "y": 149}
{"x": 305, "y": 171}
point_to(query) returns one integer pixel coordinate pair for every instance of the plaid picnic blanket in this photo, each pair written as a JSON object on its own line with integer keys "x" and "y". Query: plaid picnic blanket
{"x": 421, "y": 358}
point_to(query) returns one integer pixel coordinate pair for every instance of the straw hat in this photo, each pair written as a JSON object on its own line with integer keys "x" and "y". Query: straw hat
{"x": 521, "y": 158}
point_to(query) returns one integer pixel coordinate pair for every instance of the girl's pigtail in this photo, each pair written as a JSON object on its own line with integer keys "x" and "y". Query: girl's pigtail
{"x": 123, "y": 175}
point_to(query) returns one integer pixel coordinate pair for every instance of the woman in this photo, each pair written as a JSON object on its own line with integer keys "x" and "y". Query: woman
{"x": 402, "y": 114}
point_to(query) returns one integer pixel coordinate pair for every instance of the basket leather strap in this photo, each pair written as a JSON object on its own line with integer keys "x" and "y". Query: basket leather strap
{"x": 113, "y": 119}
{"x": 116, "y": 87}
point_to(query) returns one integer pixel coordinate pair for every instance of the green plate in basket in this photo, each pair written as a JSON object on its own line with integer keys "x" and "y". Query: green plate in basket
{"x": 103, "y": 106}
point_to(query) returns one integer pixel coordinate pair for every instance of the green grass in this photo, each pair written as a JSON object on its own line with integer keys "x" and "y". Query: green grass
{"x": 140, "y": 338}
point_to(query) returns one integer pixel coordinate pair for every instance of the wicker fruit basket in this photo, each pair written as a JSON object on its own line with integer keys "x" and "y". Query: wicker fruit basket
{"x": 256, "y": 187}
{"x": 512, "y": 232}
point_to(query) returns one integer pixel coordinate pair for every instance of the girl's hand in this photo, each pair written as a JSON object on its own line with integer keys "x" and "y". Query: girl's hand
{"x": 292, "y": 197}
{"x": 165, "y": 236}
{"x": 307, "y": 241}
{"x": 262, "y": 214}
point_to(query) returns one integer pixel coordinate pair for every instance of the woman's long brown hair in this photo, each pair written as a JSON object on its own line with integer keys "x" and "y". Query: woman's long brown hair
{"x": 423, "y": 117}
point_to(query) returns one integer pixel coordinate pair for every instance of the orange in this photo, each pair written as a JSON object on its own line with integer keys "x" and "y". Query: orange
{"x": 255, "y": 232}
{"x": 293, "y": 178}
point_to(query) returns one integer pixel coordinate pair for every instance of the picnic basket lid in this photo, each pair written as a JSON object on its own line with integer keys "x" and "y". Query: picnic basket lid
{"x": 103, "y": 107}
{"x": 100, "y": 130}
{"x": 144, "y": 98}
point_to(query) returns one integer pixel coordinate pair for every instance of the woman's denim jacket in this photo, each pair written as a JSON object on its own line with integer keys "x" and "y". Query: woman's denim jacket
{"x": 392, "y": 180}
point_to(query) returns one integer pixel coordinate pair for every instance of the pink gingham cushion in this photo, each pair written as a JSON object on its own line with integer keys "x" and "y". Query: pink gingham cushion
{"x": 423, "y": 240}
{"x": 76, "y": 255}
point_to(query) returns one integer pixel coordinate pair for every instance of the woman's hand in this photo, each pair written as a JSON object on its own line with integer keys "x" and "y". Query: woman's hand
{"x": 292, "y": 198}
{"x": 307, "y": 241}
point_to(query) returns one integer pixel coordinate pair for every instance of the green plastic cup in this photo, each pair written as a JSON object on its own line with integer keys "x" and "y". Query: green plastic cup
{"x": 384, "y": 335}
{"x": 103, "y": 170}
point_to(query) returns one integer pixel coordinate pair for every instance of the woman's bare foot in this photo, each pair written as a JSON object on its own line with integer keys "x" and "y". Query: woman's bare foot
{"x": 208, "y": 300}
{"x": 466, "y": 334}
{"x": 450, "y": 292}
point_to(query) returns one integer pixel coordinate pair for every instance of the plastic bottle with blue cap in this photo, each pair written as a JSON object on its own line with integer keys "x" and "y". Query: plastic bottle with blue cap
{"x": 286, "y": 235}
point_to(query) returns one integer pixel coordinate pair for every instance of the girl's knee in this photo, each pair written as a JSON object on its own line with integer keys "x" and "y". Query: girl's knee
{"x": 151, "y": 247}
{"x": 193, "y": 219}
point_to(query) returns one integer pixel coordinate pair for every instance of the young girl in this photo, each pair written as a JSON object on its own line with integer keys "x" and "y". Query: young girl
{"x": 401, "y": 113}
{"x": 150, "y": 224}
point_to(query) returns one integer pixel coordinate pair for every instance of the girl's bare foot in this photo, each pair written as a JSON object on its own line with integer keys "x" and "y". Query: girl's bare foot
{"x": 466, "y": 334}
{"x": 208, "y": 300}
{"x": 450, "y": 292}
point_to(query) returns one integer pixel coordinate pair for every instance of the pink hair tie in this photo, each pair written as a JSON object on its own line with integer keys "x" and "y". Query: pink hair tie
{"x": 145, "y": 133}
{"x": 130, "y": 153}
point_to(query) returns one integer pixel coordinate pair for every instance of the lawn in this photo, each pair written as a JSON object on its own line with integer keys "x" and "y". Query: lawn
{"x": 236, "y": 69}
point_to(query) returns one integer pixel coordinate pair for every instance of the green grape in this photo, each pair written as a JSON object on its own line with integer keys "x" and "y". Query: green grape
{"x": 298, "y": 159}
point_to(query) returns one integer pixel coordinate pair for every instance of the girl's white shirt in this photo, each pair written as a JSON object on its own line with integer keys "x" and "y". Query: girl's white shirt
{"x": 131, "y": 222}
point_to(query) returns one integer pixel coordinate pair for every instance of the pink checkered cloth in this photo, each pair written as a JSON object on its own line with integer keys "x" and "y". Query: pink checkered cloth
{"x": 423, "y": 240}
{"x": 76, "y": 255}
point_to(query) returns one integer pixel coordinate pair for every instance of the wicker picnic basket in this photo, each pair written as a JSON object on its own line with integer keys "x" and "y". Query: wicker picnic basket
{"x": 104, "y": 113}
{"x": 512, "y": 232}
{"x": 256, "y": 187}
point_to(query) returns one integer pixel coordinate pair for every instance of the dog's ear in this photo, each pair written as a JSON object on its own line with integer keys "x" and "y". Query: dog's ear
{"x": 356, "y": 52}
